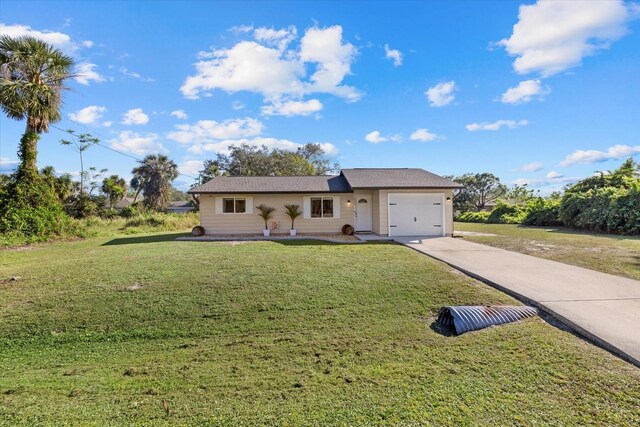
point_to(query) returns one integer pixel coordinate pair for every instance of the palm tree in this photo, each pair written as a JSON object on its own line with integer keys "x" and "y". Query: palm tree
{"x": 32, "y": 77}
{"x": 153, "y": 177}
{"x": 293, "y": 212}
{"x": 266, "y": 213}
{"x": 114, "y": 188}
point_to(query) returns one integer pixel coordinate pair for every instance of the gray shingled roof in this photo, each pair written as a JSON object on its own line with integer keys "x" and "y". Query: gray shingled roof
{"x": 396, "y": 178}
{"x": 274, "y": 184}
{"x": 348, "y": 180}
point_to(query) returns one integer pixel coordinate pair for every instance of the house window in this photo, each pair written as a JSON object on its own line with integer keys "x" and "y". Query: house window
{"x": 234, "y": 205}
{"x": 321, "y": 207}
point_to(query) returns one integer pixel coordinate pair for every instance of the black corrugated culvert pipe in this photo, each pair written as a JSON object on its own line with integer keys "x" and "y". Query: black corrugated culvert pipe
{"x": 465, "y": 318}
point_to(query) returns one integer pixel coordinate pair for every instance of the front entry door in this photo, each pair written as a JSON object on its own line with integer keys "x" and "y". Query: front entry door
{"x": 363, "y": 213}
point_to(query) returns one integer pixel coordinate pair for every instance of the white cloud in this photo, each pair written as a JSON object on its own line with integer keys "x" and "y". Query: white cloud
{"x": 88, "y": 115}
{"x": 107, "y": 124}
{"x": 497, "y": 125}
{"x": 135, "y": 75}
{"x": 7, "y": 165}
{"x": 423, "y": 135}
{"x": 267, "y": 65}
{"x": 375, "y": 137}
{"x": 552, "y": 179}
{"x": 441, "y": 94}
{"x": 271, "y": 143}
{"x": 332, "y": 58}
{"x": 179, "y": 114}
{"x": 237, "y": 105}
{"x": 135, "y": 117}
{"x": 553, "y": 36}
{"x": 136, "y": 143}
{"x": 85, "y": 73}
{"x": 209, "y": 130}
{"x": 525, "y": 92}
{"x": 292, "y": 108}
{"x": 87, "y": 43}
{"x": 58, "y": 40}
{"x": 593, "y": 156}
{"x": 394, "y": 55}
{"x": 531, "y": 167}
{"x": 191, "y": 167}
{"x": 277, "y": 38}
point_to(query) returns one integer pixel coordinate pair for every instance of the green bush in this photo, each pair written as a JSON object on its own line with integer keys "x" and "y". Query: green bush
{"x": 505, "y": 213}
{"x": 543, "y": 212}
{"x": 624, "y": 211}
{"x": 473, "y": 217}
{"x": 129, "y": 211}
{"x": 30, "y": 212}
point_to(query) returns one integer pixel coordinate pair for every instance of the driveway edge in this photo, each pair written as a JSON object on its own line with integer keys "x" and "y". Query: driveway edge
{"x": 526, "y": 300}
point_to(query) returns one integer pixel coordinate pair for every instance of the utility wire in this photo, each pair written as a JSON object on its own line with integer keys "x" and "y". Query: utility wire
{"x": 100, "y": 145}
{"x": 109, "y": 148}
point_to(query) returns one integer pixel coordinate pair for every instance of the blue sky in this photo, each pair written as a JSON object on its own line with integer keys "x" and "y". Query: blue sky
{"x": 536, "y": 92}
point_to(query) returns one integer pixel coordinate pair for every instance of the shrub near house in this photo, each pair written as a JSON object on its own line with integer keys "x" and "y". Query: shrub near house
{"x": 607, "y": 202}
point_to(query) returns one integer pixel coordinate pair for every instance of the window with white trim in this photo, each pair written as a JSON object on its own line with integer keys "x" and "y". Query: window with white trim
{"x": 321, "y": 207}
{"x": 234, "y": 205}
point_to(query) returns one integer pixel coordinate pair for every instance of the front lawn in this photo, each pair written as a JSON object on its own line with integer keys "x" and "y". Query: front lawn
{"x": 147, "y": 330}
{"x": 619, "y": 255}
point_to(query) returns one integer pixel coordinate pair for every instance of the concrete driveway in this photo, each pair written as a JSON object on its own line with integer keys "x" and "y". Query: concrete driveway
{"x": 602, "y": 307}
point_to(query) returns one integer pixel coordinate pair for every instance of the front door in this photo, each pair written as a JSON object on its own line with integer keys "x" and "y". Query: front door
{"x": 363, "y": 213}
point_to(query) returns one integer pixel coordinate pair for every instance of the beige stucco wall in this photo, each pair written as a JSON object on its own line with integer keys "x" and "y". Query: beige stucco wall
{"x": 383, "y": 210}
{"x": 251, "y": 223}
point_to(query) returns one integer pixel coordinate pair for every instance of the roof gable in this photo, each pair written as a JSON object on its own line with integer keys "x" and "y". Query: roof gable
{"x": 396, "y": 178}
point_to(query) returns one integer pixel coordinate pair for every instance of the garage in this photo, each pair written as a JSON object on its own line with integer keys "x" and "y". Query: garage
{"x": 416, "y": 214}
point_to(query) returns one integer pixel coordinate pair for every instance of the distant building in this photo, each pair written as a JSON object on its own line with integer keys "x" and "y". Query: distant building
{"x": 180, "y": 207}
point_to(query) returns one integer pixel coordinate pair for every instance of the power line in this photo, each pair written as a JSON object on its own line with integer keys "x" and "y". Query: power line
{"x": 109, "y": 148}
{"x": 100, "y": 145}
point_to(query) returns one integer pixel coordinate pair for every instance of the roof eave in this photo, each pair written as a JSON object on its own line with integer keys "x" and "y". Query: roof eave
{"x": 269, "y": 192}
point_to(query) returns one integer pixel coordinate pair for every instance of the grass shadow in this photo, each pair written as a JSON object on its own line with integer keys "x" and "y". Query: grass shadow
{"x": 317, "y": 242}
{"x": 154, "y": 238}
{"x": 577, "y": 232}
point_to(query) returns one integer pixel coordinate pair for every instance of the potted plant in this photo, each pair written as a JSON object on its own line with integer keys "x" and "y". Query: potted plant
{"x": 266, "y": 213}
{"x": 293, "y": 212}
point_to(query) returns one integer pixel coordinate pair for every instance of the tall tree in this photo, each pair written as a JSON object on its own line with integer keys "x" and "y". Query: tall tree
{"x": 479, "y": 190}
{"x": 247, "y": 160}
{"x": 153, "y": 178}
{"x": 210, "y": 170}
{"x": 32, "y": 78}
{"x": 80, "y": 144}
{"x": 114, "y": 187}
{"x": 315, "y": 155}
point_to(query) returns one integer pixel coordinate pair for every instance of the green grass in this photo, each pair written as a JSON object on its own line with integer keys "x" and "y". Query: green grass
{"x": 103, "y": 331}
{"x": 619, "y": 255}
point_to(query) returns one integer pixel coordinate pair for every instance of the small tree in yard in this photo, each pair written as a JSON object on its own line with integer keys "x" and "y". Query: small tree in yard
{"x": 479, "y": 190}
{"x": 293, "y": 212}
{"x": 114, "y": 188}
{"x": 266, "y": 213}
{"x": 80, "y": 144}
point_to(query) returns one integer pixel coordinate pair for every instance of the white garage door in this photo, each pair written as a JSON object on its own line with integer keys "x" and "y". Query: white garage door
{"x": 416, "y": 214}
